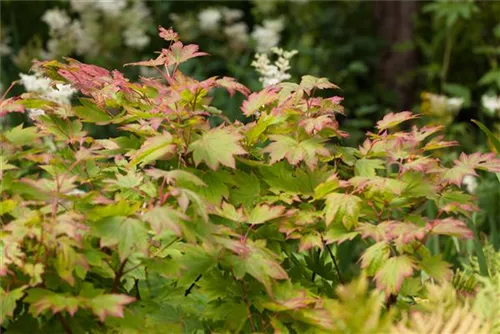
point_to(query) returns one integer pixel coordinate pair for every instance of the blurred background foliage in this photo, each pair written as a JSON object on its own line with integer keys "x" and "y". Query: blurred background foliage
{"x": 439, "y": 58}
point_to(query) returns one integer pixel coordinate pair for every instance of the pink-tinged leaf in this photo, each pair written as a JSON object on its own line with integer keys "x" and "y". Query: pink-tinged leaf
{"x": 393, "y": 272}
{"x": 310, "y": 240}
{"x": 11, "y": 105}
{"x": 263, "y": 213}
{"x": 231, "y": 85}
{"x": 109, "y": 305}
{"x": 466, "y": 165}
{"x": 315, "y": 125}
{"x": 450, "y": 226}
{"x": 42, "y": 300}
{"x": 259, "y": 99}
{"x": 260, "y": 263}
{"x": 376, "y": 232}
{"x": 178, "y": 53}
{"x": 158, "y": 61}
{"x": 165, "y": 218}
{"x": 393, "y": 119}
{"x": 217, "y": 146}
{"x": 294, "y": 151}
{"x": 342, "y": 208}
{"x": 437, "y": 143}
{"x": 338, "y": 234}
{"x": 308, "y": 82}
{"x": 405, "y": 232}
{"x": 374, "y": 257}
{"x": 168, "y": 34}
{"x": 421, "y": 164}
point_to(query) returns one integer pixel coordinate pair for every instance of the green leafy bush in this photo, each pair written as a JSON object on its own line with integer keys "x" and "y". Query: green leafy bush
{"x": 179, "y": 219}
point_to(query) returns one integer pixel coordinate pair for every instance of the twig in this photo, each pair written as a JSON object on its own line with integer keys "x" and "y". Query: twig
{"x": 188, "y": 291}
{"x": 118, "y": 276}
{"x": 64, "y": 323}
{"x": 334, "y": 262}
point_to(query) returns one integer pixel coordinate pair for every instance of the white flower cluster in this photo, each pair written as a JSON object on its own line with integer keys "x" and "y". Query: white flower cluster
{"x": 272, "y": 74}
{"x": 211, "y": 20}
{"x": 491, "y": 104}
{"x": 96, "y": 21}
{"x": 41, "y": 85}
{"x": 470, "y": 183}
{"x": 267, "y": 35}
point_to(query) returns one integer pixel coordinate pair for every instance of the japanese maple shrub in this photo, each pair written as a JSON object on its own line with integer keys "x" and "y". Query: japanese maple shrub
{"x": 173, "y": 223}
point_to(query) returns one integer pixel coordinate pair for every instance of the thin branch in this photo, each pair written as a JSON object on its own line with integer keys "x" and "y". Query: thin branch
{"x": 118, "y": 276}
{"x": 188, "y": 291}
{"x": 341, "y": 280}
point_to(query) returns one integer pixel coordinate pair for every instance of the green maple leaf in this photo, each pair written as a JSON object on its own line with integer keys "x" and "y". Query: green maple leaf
{"x": 128, "y": 234}
{"x": 20, "y": 136}
{"x": 154, "y": 148}
{"x": 368, "y": 167}
{"x": 295, "y": 151}
{"x": 165, "y": 218}
{"x": 435, "y": 267}
{"x": 258, "y": 262}
{"x": 374, "y": 257}
{"x": 308, "y": 82}
{"x": 217, "y": 146}
{"x": 109, "y": 305}
{"x": 263, "y": 213}
{"x": 393, "y": 272}
{"x": 8, "y": 302}
{"x": 344, "y": 208}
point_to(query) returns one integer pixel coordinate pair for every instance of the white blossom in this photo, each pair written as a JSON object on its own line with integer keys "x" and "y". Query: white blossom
{"x": 42, "y": 85}
{"x": 57, "y": 20}
{"x": 491, "y": 104}
{"x": 111, "y": 8}
{"x": 85, "y": 42}
{"x": 267, "y": 36}
{"x": 35, "y": 83}
{"x": 237, "y": 35}
{"x": 271, "y": 74}
{"x": 455, "y": 103}
{"x": 209, "y": 19}
{"x": 135, "y": 38}
{"x": 470, "y": 183}
{"x": 231, "y": 14}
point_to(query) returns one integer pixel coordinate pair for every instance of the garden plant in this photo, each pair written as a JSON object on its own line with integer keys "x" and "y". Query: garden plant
{"x": 139, "y": 207}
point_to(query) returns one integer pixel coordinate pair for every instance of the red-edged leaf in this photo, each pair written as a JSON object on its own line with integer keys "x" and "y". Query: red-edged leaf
{"x": 310, "y": 240}
{"x": 109, "y": 305}
{"x": 259, "y": 99}
{"x": 393, "y": 272}
{"x": 308, "y": 82}
{"x": 450, "y": 226}
{"x": 374, "y": 257}
{"x": 466, "y": 165}
{"x": 392, "y": 119}
{"x": 231, "y": 85}
{"x": 178, "y": 53}
{"x": 263, "y": 213}
{"x": 42, "y": 300}
{"x": 168, "y": 34}
{"x": 294, "y": 151}
{"x": 11, "y": 105}
{"x": 342, "y": 208}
